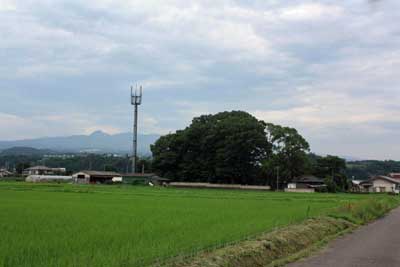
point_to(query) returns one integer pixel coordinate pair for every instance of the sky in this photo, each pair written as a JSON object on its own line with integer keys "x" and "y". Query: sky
{"x": 331, "y": 69}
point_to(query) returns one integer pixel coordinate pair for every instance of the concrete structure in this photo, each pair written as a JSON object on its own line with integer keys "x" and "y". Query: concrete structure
{"x": 300, "y": 190}
{"x": 48, "y": 179}
{"x": 220, "y": 186}
{"x": 381, "y": 184}
{"x": 97, "y": 177}
{"x": 43, "y": 170}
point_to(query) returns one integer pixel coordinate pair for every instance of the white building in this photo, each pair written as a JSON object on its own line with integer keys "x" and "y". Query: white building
{"x": 381, "y": 184}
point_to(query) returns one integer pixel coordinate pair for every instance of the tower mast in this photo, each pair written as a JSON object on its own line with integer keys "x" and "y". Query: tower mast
{"x": 136, "y": 100}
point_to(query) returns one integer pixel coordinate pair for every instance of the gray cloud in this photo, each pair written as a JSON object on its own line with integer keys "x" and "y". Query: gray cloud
{"x": 330, "y": 69}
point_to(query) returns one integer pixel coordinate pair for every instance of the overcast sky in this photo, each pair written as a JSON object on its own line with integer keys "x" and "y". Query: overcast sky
{"x": 329, "y": 68}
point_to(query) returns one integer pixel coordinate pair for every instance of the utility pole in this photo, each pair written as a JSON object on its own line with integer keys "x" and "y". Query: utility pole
{"x": 136, "y": 100}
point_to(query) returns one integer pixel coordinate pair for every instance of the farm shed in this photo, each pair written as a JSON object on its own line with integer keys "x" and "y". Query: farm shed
{"x": 5, "y": 173}
{"x": 48, "y": 179}
{"x": 305, "y": 184}
{"x": 96, "y": 177}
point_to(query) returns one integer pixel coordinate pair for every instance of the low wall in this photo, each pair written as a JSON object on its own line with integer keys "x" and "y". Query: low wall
{"x": 300, "y": 190}
{"x": 220, "y": 186}
{"x": 48, "y": 178}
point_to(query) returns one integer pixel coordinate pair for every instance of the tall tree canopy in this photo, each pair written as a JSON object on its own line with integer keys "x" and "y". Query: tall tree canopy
{"x": 289, "y": 154}
{"x": 228, "y": 147}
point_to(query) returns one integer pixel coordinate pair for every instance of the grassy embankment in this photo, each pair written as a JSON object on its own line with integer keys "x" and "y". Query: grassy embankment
{"x": 288, "y": 244}
{"x": 69, "y": 225}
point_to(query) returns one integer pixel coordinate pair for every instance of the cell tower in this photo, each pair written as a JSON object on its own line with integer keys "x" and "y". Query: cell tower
{"x": 136, "y": 100}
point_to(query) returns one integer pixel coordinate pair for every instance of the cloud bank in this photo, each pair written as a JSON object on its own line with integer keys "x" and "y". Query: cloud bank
{"x": 329, "y": 68}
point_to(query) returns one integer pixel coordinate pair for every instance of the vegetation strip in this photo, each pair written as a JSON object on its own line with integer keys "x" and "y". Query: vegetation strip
{"x": 293, "y": 242}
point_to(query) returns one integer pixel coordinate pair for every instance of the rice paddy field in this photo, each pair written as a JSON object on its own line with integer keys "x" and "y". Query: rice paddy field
{"x": 71, "y": 225}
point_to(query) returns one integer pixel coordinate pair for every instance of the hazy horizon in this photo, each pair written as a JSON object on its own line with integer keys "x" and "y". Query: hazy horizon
{"x": 327, "y": 68}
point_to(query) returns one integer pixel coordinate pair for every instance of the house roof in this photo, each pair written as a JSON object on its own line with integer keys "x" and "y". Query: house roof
{"x": 386, "y": 178}
{"x": 394, "y": 175}
{"x": 308, "y": 179}
{"x": 101, "y": 173}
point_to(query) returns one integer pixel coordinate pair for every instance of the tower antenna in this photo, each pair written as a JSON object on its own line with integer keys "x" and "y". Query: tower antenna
{"x": 136, "y": 101}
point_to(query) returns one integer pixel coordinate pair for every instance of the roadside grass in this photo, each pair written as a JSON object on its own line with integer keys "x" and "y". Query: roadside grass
{"x": 287, "y": 244}
{"x": 70, "y": 225}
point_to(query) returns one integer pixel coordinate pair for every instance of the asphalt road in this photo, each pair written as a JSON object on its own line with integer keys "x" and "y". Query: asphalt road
{"x": 376, "y": 244}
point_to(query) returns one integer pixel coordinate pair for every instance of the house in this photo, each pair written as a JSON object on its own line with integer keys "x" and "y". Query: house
{"x": 43, "y": 170}
{"x": 306, "y": 184}
{"x": 381, "y": 184}
{"x": 96, "y": 177}
{"x": 48, "y": 179}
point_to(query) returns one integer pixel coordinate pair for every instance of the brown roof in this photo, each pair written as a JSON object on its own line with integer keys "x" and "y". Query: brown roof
{"x": 394, "y": 175}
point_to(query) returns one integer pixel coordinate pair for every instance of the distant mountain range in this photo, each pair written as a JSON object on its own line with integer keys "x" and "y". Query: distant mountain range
{"x": 97, "y": 142}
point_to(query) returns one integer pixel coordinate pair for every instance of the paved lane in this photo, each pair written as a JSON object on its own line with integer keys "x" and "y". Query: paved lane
{"x": 374, "y": 245}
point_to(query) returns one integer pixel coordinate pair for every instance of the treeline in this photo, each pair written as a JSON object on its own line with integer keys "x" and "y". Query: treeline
{"x": 229, "y": 147}
{"x": 235, "y": 147}
{"x": 366, "y": 168}
{"x": 75, "y": 163}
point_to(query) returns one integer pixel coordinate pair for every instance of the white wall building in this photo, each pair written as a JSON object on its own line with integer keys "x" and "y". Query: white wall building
{"x": 381, "y": 184}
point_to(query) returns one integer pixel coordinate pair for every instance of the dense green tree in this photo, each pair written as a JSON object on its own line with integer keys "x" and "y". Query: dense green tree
{"x": 334, "y": 169}
{"x": 227, "y": 147}
{"x": 288, "y": 155}
{"x": 21, "y": 166}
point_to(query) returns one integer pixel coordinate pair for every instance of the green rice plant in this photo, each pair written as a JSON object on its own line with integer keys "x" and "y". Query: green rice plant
{"x": 83, "y": 225}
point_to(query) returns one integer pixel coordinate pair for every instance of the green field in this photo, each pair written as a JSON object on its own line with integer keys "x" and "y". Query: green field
{"x": 68, "y": 225}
